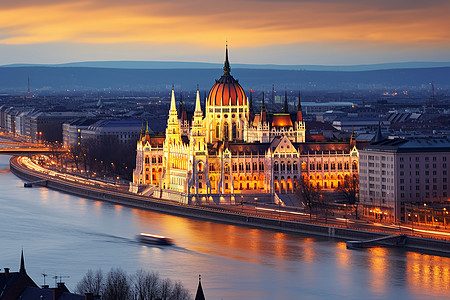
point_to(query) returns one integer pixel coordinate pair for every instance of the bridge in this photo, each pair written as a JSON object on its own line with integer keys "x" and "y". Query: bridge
{"x": 397, "y": 240}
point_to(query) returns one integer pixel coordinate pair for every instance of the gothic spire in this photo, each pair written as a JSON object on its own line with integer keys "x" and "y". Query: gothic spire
{"x": 285, "y": 107}
{"x": 199, "y": 295}
{"x": 250, "y": 106}
{"x": 173, "y": 106}
{"x": 263, "y": 111}
{"x": 22, "y": 264}
{"x": 226, "y": 67}
{"x": 263, "y": 107}
{"x": 198, "y": 108}
{"x": 379, "y": 136}
{"x": 299, "y": 108}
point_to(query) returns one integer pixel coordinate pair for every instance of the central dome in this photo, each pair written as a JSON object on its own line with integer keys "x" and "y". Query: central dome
{"x": 227, "y": 91}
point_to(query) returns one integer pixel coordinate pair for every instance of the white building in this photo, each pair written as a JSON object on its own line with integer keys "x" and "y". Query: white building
{"x": 397, "y": 171}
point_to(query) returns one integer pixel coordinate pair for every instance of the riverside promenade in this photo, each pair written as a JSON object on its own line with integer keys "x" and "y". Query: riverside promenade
{"x": 263, "y": 218}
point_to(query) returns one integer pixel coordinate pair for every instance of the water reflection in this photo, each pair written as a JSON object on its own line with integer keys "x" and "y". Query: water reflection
{"x": 63, "y": 233}
{"x": 427, "y": 274}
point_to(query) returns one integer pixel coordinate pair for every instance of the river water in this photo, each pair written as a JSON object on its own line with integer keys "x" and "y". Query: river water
{"x": 67, "y": 235}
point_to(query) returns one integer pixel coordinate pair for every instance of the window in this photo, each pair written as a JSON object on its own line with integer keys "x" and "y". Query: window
{"x": 241, "y": 166}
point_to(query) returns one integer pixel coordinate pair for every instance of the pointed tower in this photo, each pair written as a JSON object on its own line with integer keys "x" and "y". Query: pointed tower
{"x": 173, "y": 132}
{"x": 353, "y": 138}
{"x": 251, "y": 114}
{"x": 199, "y": 295}
{"x": 379, "y": 136}
{"x": 300, "y": 130}
{"x": 198, "y": 150}
{"x": 285, "y": 106}
{"x": 299, "y": 108}
{"x": 197, "y": 122}
{"x": 226, "y": 66}
{"x": 22, "y": 264}
{"x": 263, "y": 111}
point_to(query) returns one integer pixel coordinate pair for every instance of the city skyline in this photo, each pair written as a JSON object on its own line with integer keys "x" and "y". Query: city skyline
{"x": 258, "y": 32}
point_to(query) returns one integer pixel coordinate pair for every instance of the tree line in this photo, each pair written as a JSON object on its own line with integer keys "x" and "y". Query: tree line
{"x": 313, "y": 196}
{"x": 143, "y": 285}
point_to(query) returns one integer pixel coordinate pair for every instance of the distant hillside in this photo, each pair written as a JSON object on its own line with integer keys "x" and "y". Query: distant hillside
{"x": 88, "y": 78}
{"x": 201, "y": 65}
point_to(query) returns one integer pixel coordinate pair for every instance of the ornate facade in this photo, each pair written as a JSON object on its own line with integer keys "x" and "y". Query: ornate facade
{"x": 231, "y": 150}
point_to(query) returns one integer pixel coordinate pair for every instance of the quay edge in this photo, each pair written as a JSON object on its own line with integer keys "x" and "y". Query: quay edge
{"x": 426, "y": 245}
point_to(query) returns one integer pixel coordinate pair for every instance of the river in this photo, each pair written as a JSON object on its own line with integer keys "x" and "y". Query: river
{"x": 66, "y": 235}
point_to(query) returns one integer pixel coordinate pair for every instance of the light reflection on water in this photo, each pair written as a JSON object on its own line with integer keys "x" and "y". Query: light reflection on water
{"x": 66, "y": 235}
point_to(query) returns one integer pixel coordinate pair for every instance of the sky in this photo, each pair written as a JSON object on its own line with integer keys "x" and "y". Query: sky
{"x": 324, "y": 32}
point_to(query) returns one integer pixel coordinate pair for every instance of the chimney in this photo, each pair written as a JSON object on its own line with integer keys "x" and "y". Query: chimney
{"x": 59, "y": 290}
{"x": 89, "y": 296}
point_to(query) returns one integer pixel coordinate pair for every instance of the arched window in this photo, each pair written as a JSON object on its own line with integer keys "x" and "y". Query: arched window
{"x": 233, "y": 131}
{"x": 275, "y": 167}
{"x": 226, "y": 132}
{"x": 218, "y": 130}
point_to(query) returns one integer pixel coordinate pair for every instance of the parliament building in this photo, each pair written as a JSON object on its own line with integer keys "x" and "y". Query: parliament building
{"x": 230, "y": 149}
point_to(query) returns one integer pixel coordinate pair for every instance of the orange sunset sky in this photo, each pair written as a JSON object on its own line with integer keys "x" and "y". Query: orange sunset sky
{"x": 258, "y": 31}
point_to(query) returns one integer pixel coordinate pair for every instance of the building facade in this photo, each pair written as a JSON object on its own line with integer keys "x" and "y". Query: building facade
{"x": 396, "y": 172}
{"x": 229, "y": 149}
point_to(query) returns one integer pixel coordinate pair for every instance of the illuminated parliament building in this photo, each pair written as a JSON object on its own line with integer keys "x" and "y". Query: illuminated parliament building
{"x": 229, "y": 149}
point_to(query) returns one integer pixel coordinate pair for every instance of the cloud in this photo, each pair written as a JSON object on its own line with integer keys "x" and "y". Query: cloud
{"x": 203, "y": 23}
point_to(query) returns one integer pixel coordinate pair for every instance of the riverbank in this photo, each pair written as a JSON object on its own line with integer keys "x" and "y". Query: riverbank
{"x": 218, "y": 214}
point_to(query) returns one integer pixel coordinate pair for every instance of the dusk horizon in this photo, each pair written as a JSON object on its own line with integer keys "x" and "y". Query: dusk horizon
{"x": 323, "y": 32}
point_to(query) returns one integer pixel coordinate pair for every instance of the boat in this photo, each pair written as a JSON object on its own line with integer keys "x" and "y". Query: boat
{"x": 154, "y": 239}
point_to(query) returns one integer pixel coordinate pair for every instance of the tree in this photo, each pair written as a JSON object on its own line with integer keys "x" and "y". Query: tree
{"x": 143, "y": 285}
{"x": 147, "y": 285}
{"x": 117, "y": 286}
{"x": 92, "y": 282}
{"x": 308, "y": 193}
{"x": 350, "y": 188}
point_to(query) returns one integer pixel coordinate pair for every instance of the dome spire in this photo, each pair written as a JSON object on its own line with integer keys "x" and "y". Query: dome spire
{"x": 226, "y": 67}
